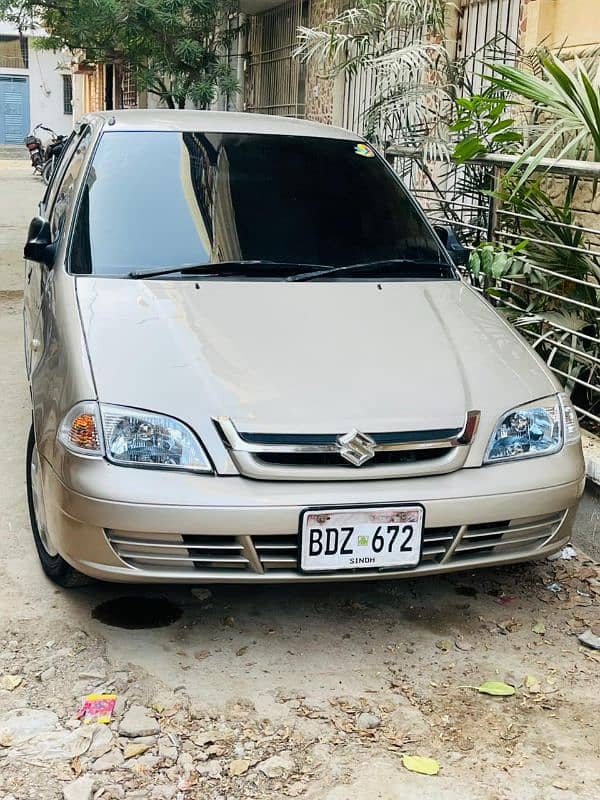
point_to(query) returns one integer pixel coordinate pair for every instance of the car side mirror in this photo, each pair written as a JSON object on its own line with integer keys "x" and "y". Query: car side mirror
{"x": 39, "y": 246}
{"x": 458, "y": 253}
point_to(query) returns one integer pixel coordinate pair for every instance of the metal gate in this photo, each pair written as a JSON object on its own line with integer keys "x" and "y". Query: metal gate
{"x": 488, "y": 30}
{"x": 276, "y": 81}
{"x": 14, "y": 109}
{"x": 360, "y": 91}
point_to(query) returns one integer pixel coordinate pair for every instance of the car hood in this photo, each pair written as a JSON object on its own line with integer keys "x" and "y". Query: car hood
{"x": 314, "y": 357}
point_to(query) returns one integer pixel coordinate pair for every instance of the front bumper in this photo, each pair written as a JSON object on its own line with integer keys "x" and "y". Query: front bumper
{"x": 108, "y": 522}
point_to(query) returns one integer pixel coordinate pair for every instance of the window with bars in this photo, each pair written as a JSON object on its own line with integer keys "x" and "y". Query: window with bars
{"x": 276, "y": 81}
{"x": 14, "y": 52}
{"x": 129, "y": 93}
{"x": 67, "y": 94}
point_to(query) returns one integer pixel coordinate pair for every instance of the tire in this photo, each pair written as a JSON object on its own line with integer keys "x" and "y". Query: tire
{"x": 47, "y": 171}
{"x": 55, "y": 567}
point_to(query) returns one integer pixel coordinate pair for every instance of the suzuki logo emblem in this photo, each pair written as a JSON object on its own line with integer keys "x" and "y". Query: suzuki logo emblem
{"x": 356, "y": 447}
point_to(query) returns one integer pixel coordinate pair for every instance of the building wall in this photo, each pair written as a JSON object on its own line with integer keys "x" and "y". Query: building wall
{"x": 44, "y": 72}
{"x": 573, "y": 24}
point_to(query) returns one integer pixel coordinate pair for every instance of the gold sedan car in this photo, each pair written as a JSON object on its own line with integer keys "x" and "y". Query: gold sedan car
{"x": 252, "y": 359}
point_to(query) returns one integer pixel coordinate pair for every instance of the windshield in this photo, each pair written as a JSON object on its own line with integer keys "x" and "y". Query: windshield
{"x": 155, "y": 200}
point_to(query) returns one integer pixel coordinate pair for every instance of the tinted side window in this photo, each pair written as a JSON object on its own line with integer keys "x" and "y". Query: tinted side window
{"x": 66, "y": 188}
{"x": 65, "y": 157}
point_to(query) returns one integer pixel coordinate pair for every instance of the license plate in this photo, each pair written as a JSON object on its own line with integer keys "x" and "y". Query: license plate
{"x": 361, "y": 538}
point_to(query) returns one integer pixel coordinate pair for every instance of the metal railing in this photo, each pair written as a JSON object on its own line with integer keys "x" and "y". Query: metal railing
{"x": 556, "y": 305}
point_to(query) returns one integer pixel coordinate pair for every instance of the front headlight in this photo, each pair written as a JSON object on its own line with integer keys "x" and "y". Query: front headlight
{"x": 535, "y": 429}
{"x": 143, "y": 439}
{"x": 132, "y": 437}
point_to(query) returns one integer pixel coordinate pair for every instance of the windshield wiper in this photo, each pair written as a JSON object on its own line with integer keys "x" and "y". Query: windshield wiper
{"x": 441, "y": 268}
{"x": 223, "y": 268}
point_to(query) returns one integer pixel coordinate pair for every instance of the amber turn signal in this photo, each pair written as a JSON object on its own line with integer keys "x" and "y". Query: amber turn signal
{"x": 84, "y": 433}
{"x": 80, "y": 430}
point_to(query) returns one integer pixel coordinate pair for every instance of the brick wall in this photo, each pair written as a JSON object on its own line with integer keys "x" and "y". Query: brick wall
{"x": 586, "y": 203}
{"x": 320, "y": 89}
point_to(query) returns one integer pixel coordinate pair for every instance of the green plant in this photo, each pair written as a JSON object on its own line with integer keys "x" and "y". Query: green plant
{"x": 176, "y": 48}
{"x": 484, "y": 127}
{"x": 491, "y": 260}
{"x": 569, "y": 100}
{"x": 400, "y": 44}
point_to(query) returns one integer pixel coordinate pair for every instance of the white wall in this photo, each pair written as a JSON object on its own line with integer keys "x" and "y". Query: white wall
{"x": 46, "y": 89}
{"x": 45, "y": 84}
{"x": 78, "y": 96}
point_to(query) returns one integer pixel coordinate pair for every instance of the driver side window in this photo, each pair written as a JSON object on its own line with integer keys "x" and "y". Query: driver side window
{"x": 63, "y": 159}
{"x": 65, "y": 190}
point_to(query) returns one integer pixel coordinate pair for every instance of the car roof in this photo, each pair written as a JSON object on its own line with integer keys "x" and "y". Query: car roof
{"x": 218, "y": 122}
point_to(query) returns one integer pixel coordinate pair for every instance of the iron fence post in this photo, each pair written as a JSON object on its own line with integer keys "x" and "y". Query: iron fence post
{"x": 492, "y": 222}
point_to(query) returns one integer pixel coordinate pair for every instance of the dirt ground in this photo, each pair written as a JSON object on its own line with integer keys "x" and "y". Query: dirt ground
{"x": 272, "y": 692}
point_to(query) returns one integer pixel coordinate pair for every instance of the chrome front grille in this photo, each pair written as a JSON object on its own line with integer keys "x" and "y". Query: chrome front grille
{"x": 233, "y": 557}
{"x": 337, "y": 460}
{"x": 505, "y": 537}
{"x": 260, "y": 554}
{"x": 190, "y": 553}
{"x": 178, "y": 552}
{"x": 313, "y": 457}
{"x": 436, "y": 542}
{"x": 277, "y": 552}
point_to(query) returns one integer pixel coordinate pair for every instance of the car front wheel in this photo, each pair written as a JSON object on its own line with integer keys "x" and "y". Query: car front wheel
{"x": 55, "y": 567}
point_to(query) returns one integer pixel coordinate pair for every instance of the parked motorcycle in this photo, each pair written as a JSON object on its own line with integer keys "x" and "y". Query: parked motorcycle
{"x": 52, "y": 154}
{"x": 44, "y": 158}
{"x": 34, "y": 144}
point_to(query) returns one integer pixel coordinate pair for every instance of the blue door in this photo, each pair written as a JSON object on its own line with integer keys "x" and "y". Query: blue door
{"x": 14, "y": 109}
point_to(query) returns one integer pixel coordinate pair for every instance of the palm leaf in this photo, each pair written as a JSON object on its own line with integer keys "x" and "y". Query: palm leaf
{"x": 395, "y": 45}
{"x": 572, "y": 100}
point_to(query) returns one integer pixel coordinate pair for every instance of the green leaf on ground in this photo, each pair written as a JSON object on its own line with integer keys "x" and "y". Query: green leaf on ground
{"x": 420, "y": 764}
{"x": 496, "y": 689}
{"x": 540, "y": 628}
